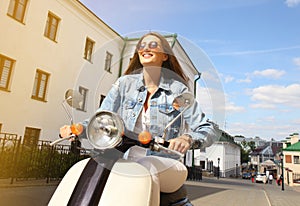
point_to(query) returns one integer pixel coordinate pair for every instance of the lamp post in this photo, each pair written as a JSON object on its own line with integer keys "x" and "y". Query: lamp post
{"x": 218, "y": 174}
{"x": 282, "y": 171}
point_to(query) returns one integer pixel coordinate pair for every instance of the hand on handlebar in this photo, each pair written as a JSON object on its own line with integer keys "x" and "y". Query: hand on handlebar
{"x": 65, "y": 131}
{"x": 70, "y": 130}
{"x": 180, "y": 144}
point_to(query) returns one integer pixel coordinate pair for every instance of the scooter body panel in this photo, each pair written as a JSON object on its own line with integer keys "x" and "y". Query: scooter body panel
{"x": 129, "y": 183}
{"x": 65, "y": 188}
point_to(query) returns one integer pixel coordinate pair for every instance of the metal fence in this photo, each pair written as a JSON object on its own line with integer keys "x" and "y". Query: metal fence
{"x": 19, "y": 161}
{"x": 296, "y": 177}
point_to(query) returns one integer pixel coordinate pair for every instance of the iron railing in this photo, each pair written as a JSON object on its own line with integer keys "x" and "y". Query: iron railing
{"x": 34, "y": 161}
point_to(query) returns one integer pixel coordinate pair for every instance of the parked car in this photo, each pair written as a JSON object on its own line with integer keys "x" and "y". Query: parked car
{"x": 261, "y": 177}
{"x": 246, "y": 175}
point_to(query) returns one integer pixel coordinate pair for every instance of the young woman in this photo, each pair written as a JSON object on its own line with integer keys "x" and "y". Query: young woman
{"x": 143, "y": 98}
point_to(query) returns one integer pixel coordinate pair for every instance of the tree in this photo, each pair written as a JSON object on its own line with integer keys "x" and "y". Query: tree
{"x": 252, "y": 146}
{"x": 244, "y": 156}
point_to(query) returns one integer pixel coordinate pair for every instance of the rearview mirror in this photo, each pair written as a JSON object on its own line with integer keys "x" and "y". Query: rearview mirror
{"x": 74, "y": 98}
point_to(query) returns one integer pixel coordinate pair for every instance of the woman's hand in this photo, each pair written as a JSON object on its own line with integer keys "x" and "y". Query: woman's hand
{"x": 180, "y": 144}
{"x": 65, "y": 131}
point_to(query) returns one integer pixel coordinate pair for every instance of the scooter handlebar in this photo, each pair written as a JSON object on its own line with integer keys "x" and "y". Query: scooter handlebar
{"x": 163, "y": 148}
{"x": 62, "y": 139}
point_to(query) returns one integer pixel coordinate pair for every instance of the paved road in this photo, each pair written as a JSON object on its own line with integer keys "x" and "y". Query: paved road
{"x": 26, "y": 195}
{"x": 210, "y": 191}
{"x": 238, "y": 192}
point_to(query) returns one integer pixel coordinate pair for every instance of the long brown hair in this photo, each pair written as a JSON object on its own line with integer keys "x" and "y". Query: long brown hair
{"x": 171, "y": 63}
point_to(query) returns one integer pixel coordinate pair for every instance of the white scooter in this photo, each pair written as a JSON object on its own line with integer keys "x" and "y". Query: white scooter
{"x": 107, "y": 179}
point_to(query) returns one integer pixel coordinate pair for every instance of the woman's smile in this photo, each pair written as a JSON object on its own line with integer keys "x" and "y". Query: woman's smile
{"x": 150, "y": 55}
{"x": 147, "y": 55}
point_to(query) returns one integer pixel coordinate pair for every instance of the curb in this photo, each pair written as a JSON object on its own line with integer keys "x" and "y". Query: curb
{"x": 27, "y": 183}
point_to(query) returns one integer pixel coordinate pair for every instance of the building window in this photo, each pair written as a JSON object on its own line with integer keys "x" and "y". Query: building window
{"x": 31, "y": 136}
{"x": 6, "y": 66}
{"x": 83, "y": 91}
{"x": 288, "y": 159}
{"x": 88, "y": 51}
{"x": 40, "y": 85}
{"x": 51, "y": 26}
{"x": 296, "y": 160}
{"x": 108, "y": 59}
{"x": 17, "y": 9}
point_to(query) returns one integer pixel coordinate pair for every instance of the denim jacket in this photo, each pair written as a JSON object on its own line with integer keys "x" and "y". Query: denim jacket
{"x": 128, "y": 95}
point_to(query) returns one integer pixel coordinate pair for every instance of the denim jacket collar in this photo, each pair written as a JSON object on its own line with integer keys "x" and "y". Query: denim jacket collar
{"x": 164, "y": 83}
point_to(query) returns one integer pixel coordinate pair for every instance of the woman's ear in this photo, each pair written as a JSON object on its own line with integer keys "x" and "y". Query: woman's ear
{"x": 165, "y": 57}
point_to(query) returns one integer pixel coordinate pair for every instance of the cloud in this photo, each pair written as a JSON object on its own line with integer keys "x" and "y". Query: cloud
{"x": 263, "y": 106}
{"x": 246, "y": 80}
{"x": 253, "y": 52}
{"x": 264, "y": 128}
{"x": 271, "y": 96}
{"x": 269, "y": 73}
{"x": 292, "y": 3}
{"x": 227, "y": 78}
{"x": 297, "y": 61}
{"x": 232, "y": 108}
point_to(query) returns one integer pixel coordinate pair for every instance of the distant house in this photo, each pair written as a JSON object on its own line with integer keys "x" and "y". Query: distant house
{"x": 258, "y": 142}
{"x": 260, "y": 156}
{"x": 291, "y": 160}
{"x": 224, "y": 154}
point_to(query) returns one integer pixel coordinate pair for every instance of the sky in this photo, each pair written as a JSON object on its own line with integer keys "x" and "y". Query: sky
{"x": 254, "y": 47}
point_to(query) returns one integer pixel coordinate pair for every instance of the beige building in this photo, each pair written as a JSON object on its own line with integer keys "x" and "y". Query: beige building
{"x": 50, "y": 46}
{"x": 291, "y": 160}
{"x": 45, "y": 45}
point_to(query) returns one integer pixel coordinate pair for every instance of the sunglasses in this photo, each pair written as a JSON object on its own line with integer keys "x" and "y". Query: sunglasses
{"x": 151, "y": 45}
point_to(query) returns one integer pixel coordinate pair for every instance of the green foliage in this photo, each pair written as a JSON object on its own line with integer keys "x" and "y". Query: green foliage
{"x": 40, "y": 161}
{"x": 244, "y": 156}
{"x": 252, "y": 146}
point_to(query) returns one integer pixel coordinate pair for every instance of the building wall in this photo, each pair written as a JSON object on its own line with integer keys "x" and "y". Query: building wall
{"x": 62, "y": 59}
{"x": 230, "y": 157}
{"x": 290, "y": 166}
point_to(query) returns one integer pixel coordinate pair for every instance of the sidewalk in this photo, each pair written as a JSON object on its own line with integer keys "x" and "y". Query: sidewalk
{"x": 287, "y": 197}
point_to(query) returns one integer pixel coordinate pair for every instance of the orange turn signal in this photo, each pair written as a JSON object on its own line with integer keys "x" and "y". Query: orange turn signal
{"x": 76, "y": 129}
{"x": 144, "y": 137}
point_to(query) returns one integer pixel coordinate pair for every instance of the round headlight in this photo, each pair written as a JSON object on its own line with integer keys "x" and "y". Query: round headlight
{"x": 105, "y": 130}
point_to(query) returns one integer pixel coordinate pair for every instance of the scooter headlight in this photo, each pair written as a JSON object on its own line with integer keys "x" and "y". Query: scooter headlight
{"x": 105, "y": 130}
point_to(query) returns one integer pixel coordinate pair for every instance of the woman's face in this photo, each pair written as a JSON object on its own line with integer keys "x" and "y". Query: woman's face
{"x": 151, "y": 52}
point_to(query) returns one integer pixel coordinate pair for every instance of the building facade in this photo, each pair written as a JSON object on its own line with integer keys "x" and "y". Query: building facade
{"x": 44, "y": 47}
{"x": 222, "y": 158}
{"x": 291, "y": 160}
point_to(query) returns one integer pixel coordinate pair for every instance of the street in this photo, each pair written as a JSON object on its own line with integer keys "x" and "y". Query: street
{"x": 26, "y": 196}
{"x": 209, "y": 191}
{"x": 240, "y": 192}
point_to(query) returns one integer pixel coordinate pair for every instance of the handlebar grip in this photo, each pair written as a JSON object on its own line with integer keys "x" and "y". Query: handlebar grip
{"x": 166, "y": 144}
{"x": 170, "y": 151}
{"x": 62, "y": 139}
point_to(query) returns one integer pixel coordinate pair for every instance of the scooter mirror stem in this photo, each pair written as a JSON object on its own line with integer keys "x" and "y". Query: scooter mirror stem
{"x": 184, "y": 101}
{"x": 170, "y": 123}
{"x": 66, "y": 110}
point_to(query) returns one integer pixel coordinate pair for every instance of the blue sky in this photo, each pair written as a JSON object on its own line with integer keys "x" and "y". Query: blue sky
{"x": 253, "y": 45}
